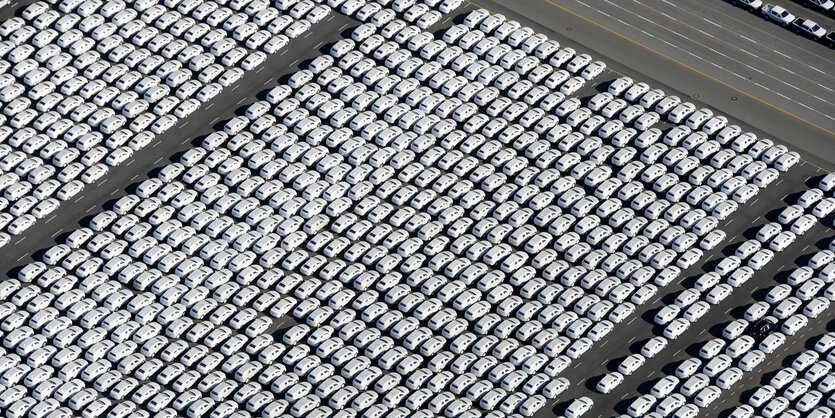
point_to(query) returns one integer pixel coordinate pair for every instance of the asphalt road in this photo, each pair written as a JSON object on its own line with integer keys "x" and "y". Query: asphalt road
{"x": 188, "y": 133}
{"x": 739, "y": 84}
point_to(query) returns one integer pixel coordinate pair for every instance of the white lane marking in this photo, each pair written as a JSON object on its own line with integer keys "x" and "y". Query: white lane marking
{"x": 751, "y": 27}
{"x": 704, "y": 46}
{"x": 716, "y": 52}
{"x": 746, "y": 38}
{"x": 707, "y": 35}
{"x": 780, "y": 53}
{"x": 755, "y": 69}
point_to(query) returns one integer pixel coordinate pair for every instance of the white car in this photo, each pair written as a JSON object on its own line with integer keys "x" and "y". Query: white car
{"x": 664, "y": 387}
{"x": 579, "y": 407}
{"x": 639, "y": 407}
{"x": 681, "y": 112}
{"x": 667, "y": 314}
{"x": 803, "y": 224}
{"x": 790, "y": 214}
{"x": 631, "y": 363}
{"x": 771, "y": 342}
{"x": 760, "y": 259}
{"x": 609, "y": 382}
{"x": 751, "y": 360}
{"x": 707, "y": 396}
{"x": 676, "y": 328}
{"x": 620, "y": 85}
{"x": 688, "y": 367}
{"x": 782, "y": 240}
{"x": 21, "y": 224}
{"x": 778, "y": 14}
{"x": 712, "y": 239}
{"x": 593, "y": 70}
{"x": 719, "y": 293}
{"x": 653, "y": 347}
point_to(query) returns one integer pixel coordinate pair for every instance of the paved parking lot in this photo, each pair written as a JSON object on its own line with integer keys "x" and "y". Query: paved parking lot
{"x": 669, "y": 54}
{"x": 171, "y": 144}
{"x": 640, "y": 327}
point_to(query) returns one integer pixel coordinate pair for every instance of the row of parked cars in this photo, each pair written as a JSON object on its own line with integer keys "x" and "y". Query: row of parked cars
{"x": 763, "y": 328}
{"x": 802, "y": 388}
{"x": 439, "y": 232}
{"x": 87, "y": 84}
{"x": 153, "y": 397}
{"x": 787, "y": 19}
{"x": 73, "y": 394}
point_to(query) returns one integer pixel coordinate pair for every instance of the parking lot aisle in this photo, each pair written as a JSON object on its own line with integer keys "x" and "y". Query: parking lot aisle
{"x": 176, "y": 140}
{"x": 757, "y": 108}
{"x": 639, "y": 328}
{"x": 687, "y": 345}
{"x": 802, "y": 341}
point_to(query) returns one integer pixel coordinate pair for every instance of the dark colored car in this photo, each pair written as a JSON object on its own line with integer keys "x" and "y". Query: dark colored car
{"x": 762, "y": 328}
